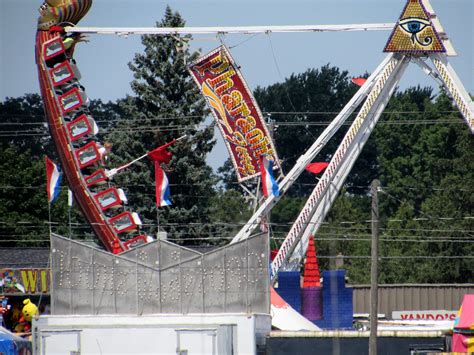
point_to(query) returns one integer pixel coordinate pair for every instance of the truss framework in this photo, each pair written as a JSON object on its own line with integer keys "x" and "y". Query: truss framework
{"x": 227, "y": 30}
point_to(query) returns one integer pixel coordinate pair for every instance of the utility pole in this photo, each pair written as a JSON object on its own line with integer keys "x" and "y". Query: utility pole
{"x": 374, "y": 270}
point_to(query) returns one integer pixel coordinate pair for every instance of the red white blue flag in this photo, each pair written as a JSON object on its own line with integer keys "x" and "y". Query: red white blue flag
{"x": 269, "y": 184}
{"x": 162, "y": 187}
{"x": 53, "y": 180}
{"x": 161, "y": 155}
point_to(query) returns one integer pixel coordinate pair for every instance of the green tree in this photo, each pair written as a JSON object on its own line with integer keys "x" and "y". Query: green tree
{"x": 23, "y": 125}
{"x": 426, "y": 166}
{"x": 302, "y": 106}
{"x": 24, "y": 141}
{"x": 282, "y": 216}
{"x": 346, "y": 232}
{"x": 167, "y": 105}
{"x": 24, "y": 203}
{"x": 398, "y": 240}
{"x": 229, "y": 211}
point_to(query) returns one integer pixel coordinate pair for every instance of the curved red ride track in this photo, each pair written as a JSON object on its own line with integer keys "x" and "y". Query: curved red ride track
{"x": 54, "y": 12}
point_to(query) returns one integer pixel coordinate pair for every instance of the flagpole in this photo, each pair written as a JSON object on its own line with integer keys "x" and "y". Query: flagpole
{"x": 69, "y": 216}
{"x": 132, "y": 162}
{"x": 157, "y": 222}
{"x": 49, "y": 217}
{"x": 257, "y": 195}
{"x": 114, "y": 171}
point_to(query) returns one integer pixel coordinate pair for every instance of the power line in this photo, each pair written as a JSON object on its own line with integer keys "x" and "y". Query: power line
{"x": 170, "y": 128}
{"x": 419, "y": 211}
{"x": 344, "y": 231}
{"x": 430, "y": 188}
{"x": 180, "y": 117}
{"x": 420, "y": 239}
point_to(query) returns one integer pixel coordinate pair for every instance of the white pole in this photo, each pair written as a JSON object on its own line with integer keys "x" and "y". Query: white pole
{"x": 124, "y": 31}
{"x": 114, "y": 171}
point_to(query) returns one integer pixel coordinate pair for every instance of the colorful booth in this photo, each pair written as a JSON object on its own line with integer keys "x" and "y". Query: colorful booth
{"x": 12, "y": 345}
{"x": 463, "y": 337}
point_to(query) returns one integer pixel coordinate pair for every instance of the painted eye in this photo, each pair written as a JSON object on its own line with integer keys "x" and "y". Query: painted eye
{"x": 413, "y": 25}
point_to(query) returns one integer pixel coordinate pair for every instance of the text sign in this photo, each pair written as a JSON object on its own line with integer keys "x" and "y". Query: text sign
{"x": 425, "y": 315}
{"x": 235, "y": 110}
{"x": 25, "y": 281}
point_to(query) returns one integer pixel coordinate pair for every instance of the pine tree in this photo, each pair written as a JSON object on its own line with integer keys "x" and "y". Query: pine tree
{"x": 23, "y": 125}
{"x": 167, "y": 105}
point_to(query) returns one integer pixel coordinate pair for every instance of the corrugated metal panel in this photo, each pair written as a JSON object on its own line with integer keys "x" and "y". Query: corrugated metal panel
{"x": 233, "y": 278}
{"x": 411, "y": 297}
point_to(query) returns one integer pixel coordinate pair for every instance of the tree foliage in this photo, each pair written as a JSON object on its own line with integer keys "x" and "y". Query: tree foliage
{"x": 167, "y": 105}
{"x": 23, "y": 125}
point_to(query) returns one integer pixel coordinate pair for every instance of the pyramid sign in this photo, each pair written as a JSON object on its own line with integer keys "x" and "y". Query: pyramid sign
{"x": 414, "y": 32}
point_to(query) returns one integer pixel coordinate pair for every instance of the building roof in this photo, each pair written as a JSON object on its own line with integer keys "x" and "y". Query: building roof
{"x": 17, "y": 258}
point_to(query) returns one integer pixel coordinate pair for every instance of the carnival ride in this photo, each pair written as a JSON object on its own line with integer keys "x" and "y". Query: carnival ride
{"x": 74, "y": 130}
{"x": 416, "y": 37}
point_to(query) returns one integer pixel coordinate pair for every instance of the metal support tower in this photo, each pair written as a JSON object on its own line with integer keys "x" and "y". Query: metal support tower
{"x": 328, "y": 187}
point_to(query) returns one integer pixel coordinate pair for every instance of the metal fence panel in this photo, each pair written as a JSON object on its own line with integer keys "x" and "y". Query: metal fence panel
{"x": 87, "y": 280}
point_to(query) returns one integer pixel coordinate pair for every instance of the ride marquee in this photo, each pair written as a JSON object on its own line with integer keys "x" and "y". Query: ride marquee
{"x": 235, "y": 110}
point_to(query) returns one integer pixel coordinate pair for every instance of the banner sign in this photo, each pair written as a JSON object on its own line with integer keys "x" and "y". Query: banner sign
{"x": 25, "y": 281}
{"x": 440, "y": 315}
{"x": 235, "y": 110}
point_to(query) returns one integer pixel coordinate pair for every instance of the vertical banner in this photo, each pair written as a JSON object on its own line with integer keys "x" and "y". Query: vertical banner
{"x": 236, "y": 112}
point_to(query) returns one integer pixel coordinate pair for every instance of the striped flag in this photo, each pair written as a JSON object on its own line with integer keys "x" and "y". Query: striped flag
{"x": 162, "y": 187}
{"x": 53, "y": 180}
{"x": 269, "y": 184}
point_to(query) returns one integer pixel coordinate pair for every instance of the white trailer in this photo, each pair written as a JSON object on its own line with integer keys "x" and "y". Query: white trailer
{"x": 151, "y": 334}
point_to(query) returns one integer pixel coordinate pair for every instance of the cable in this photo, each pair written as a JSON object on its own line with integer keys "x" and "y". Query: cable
{"x": 119, "y": 121}
{"x": 108, "y": 121}
{"x": 179, "y": 128}
{"x": 279, "y": 72}
{"x": 399, "y": 257}
{"x": 28, "y": 224}
{"x": 6, "y": 187}
{"x": 419, "y": 211}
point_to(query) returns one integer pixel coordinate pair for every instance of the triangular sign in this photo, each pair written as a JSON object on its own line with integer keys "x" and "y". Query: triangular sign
{"x": 414, "y": 32}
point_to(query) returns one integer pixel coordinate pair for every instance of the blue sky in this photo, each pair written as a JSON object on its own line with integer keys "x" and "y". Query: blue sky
{"x": 264, "y": 59}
